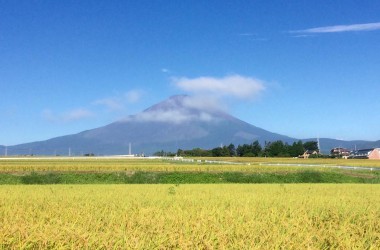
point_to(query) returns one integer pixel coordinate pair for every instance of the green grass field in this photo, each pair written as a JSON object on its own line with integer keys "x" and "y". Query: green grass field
{"x": 154, "y": 171}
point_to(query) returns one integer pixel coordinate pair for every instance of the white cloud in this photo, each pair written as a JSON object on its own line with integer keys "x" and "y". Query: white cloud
{"x": 180, "y": 109}
{"x": 341, "y": 28}
{"x": 77, "y": 114}
{"x": 172, "y": 116}
{"x": 206, "y": 103}
{"x": 47, "y": 114}
{"x": 133, "y": 96}
{"x": 246, "y": 34}
{"x": 111, "y": 103}
{"x": 231, "y": 86}
{"x": 303, "y": 36}
{"x": 118, "y": 102}
{"x": 72, "y": 115}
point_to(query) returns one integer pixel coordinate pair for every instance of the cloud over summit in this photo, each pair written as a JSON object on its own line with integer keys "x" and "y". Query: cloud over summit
{"x": 230, "y": 86}
{"x": 171, "y": 116}
{"x": 119, "y": 102}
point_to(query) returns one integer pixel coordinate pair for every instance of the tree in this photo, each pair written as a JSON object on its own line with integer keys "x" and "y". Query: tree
{"x": 231, "y": 149}
{"x": 159, "y": 153}
{"x": 217, "y": 152}
{"x": 220, "y": 151}
{"x": 277, "y": 148}
{"x": 201, "y": 152}
{"x": 180, "y": 152}
{"x": 311, "y": 145}
{"x": 256, "y": 148}
{"x": 296, "y": 149}
{"x": 244, "y": 150}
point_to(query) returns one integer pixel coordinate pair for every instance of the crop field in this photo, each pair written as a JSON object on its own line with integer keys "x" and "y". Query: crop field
{"x": 247, "y": 164}
{"x": 229, "y": 216}
{"x": 179, "y": 215}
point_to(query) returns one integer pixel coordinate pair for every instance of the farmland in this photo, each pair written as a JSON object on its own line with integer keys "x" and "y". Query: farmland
{"x": 160, "y": 171}
{"x": 188, "y": 216}
{"x": 197, "y": 216}
{"x": 248, "y": 164}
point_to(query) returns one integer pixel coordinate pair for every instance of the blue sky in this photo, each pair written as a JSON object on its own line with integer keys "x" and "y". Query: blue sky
{"x": 299, "y": 68}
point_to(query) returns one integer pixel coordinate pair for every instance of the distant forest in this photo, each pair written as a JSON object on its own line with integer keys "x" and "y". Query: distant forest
{"x": 270, "y": 149}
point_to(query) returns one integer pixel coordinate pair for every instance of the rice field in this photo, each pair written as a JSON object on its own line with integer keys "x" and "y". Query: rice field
{"x": 157, "y": 165}
{"x": 187, "y": 216}
{"x": 228, "y": 216}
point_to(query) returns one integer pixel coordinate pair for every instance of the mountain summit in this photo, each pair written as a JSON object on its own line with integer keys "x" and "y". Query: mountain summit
{"x": 179, "y": 122}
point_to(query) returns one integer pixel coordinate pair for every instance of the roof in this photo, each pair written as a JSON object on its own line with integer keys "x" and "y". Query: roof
{"x": 361, "y": 153}
{"x": 311, "y": 151}
{"x": 340, "y": 149}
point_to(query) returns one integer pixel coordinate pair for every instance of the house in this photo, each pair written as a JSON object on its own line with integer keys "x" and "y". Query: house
{"x": 340, "y": 152}
{"x": 371, "y": 153}
{"x": 307, "y": 154}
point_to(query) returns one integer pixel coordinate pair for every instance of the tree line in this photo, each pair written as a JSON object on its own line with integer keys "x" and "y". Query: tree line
{"x": 255, "y": 149}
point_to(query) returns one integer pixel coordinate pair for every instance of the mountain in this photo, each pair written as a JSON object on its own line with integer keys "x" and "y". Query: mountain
{"x": 178, "y": 122}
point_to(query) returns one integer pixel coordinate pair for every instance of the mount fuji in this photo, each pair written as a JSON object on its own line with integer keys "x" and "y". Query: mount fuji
{"x": 176, "y": 123}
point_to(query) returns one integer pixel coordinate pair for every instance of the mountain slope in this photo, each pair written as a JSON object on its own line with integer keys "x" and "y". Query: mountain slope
{"x": 178, "y": 122}
{"x": 174, "y": 123}
{"x": 327, "y": 144}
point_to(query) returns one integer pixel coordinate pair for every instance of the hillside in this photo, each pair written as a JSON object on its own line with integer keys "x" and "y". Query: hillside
{"x": 169, "y": 125}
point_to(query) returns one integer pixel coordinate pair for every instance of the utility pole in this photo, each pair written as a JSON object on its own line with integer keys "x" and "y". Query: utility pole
{"x": 6, "y": 151}
{"x": 130, "y": 149}
{"x": 69, "y": 152}
{"x": 319, "y": 145}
